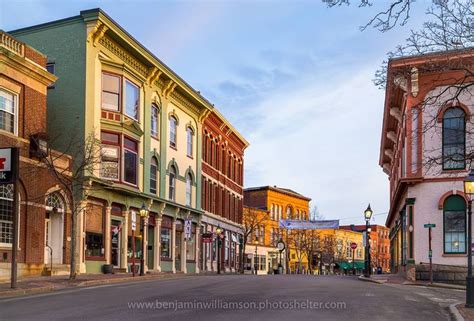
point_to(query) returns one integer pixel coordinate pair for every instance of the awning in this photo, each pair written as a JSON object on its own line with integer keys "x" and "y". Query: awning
{"x": 344, "y": 265}
{"x": 359, "y": 265}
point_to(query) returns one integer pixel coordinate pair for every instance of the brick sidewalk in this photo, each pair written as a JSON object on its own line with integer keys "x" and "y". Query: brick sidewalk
{"x": 33, "y": 285}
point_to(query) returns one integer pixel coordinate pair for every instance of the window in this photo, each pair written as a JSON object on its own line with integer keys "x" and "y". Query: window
{"x": 189, "y": 180}
{"x": 172, "y": 183}
{"x": 153, "y": 171}
{"x": 132, "y": 97}
{"x": 110, "y": 92}
{"x": 289, "y": 213}
{"x": 50, "y": 67}
{"x": 154, "y": 121}
{"x": 130, "y": 161}
{"x": 6, "y": 214}
{"x": 454, "y": 135}
{"x": 94, "y": 244}
{"x": 189, "y": 135}
{"x": 8, "y": 119}
{"x": 173, "y": 123}
{"x": 454, "y": 224}
{"x": 110, "y": 151}
{"x": 165, "y": 236}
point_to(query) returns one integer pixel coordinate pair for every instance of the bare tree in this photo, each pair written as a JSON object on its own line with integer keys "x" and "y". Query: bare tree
{"x": 252, "y": 219}
{"x": 312, "y": 245}
{"x": 296, "y": 240}
{"x": 74, "y": 180}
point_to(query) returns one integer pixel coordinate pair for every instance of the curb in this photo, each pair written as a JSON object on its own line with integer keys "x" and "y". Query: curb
{"x": 89, "y": 283}
{"x": 455, "y": 312}
{"x": 363, "y": 278}
{"x": 437, "y": 285}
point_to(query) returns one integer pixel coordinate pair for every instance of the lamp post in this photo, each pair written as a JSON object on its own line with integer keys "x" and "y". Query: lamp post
{"x": 144, "y": 218}
{"x": 281, "y": 248}
{"x": 469, "y": 192}
{"x": 241, "y": 258}
{"x": 367, "y": 215}
{"x": 320, "y": 267}
{"x": 219, "y": 233}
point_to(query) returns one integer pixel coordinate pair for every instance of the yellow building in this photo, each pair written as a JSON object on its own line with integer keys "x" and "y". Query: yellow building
{"x": 337, "y": 255}
{"x": 280, "y": 203}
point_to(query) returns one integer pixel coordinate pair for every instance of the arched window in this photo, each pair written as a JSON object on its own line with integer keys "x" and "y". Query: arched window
{"x": 6, "y": 214}
{"x": 289, "y": 213}
{"x": 154, "y": 121}
{"x": 54, "y": 203}
{"x": 454, "y": 138}
{"x": 172, "y": 183}
{"x": 189, "y": 181}
{"x": 454, "y": 224}
{"x": 153, "y": 172}
{"x": 189, "y": 137}
{"x": 173, "y": 124}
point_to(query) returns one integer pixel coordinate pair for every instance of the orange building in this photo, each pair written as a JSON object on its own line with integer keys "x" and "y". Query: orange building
{"x": 280, "y": 203}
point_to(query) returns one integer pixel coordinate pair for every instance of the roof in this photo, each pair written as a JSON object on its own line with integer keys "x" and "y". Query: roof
{"x": 286, "y": 191}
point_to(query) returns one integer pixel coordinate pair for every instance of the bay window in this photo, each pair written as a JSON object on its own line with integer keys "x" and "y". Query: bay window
{"x": 110, "y": 92}
{"x": 110, "y": 156}
{"x": 8, "y": 110}
{"x": 132, "y": 97}
{"x": 130, "y": 161}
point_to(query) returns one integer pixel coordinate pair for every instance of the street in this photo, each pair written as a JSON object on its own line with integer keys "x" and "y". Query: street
{"x": 238, "y": 297}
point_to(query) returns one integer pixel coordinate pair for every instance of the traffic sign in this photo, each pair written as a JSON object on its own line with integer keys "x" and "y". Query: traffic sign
{"x": 353, "y": 245}
{"x": 429, "y": 225}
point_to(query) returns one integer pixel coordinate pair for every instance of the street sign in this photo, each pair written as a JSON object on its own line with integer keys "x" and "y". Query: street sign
{"x": 8, "y": 165}
{"x": 353, "y": 245}
{"x": 134, "y": 226}
{"x": 429, "y": 225}
{"x": 188, "y": 229}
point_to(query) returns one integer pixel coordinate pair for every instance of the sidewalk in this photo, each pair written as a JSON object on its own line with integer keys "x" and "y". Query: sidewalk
{"x": 397, "y": 279}
{"x": 43, "y": 284}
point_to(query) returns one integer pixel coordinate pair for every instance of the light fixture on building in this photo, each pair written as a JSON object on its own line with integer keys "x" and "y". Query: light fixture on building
{"x": 143, "y": 211}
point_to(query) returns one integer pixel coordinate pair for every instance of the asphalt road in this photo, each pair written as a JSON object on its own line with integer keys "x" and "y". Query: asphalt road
{"x": 237, "y": 297}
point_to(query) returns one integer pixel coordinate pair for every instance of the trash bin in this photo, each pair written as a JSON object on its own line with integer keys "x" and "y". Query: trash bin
{"x": 379, "y": 270}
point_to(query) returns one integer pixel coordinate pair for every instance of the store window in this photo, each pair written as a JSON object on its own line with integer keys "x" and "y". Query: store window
{"x": 6, "y": 215}
{"x": 94, "y": 244}
{"x": 165, "y": 235}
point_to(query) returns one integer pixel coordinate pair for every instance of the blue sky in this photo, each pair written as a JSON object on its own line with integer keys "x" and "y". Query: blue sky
{"x": 294, "y": 77}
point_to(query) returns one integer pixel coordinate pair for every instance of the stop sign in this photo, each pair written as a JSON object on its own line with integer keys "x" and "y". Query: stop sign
{"x": 353, "y": 245}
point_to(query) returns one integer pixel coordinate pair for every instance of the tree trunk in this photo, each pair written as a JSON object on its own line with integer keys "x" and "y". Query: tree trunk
{"x": 73, "y": 271}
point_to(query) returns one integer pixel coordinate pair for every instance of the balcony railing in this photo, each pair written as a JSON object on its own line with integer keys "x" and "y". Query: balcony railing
{"x": 8, "y": 42}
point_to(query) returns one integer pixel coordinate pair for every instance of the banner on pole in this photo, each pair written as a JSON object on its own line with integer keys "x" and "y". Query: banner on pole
{"x": 309, "y": 225}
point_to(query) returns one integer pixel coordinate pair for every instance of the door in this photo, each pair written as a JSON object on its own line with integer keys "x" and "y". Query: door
{"x": 151, "y": 247}
{"x": 178, "y": 251}
{"x": 47, "y": 240}
{"x": 53, "y": 238}
{"x": 116, "y": 243}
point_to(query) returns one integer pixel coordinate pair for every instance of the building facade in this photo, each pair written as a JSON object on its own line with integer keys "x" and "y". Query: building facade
{"x": 148, "y": 121}
{"x": 424, "y": 149}
{"x": 379, "y": 245}
{"x": 222, "y": 192}
{"x": 281, "y": 203}
{"x": 43, "y": 206}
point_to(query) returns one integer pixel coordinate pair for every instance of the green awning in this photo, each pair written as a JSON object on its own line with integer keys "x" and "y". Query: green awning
{"x": 344, "y": 265}
{"x": 359, "y": 265}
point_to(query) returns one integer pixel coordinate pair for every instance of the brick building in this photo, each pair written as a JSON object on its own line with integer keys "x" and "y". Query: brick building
{"x": 222, "y": 190}
{"x": 44, "y": 216}
{"x": 379, "y": 244}
{"x": 426, "y": 151}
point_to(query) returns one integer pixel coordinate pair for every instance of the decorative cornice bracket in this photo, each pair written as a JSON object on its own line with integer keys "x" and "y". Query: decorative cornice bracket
{"x": 396, "y": 113}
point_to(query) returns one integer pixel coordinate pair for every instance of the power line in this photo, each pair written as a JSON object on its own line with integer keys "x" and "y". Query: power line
{"x": 350, "y": 218}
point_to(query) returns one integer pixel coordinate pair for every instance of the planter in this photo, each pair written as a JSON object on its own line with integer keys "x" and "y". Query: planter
{"x": 107, "y": 268}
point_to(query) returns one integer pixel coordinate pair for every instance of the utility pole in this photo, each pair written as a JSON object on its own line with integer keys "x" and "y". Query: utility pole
{"x": 429, "y": 226}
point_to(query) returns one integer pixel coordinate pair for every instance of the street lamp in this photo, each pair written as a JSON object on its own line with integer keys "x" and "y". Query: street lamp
{"x": 255, "y": 257}
{"x": 469, "y": 192}
{"x": 281, "y": 248}
{"x": 241, "y": 248}
{"x": 367, "y": 215}
{"x": 143, "y": 217}
{"x": 219, "y": 233}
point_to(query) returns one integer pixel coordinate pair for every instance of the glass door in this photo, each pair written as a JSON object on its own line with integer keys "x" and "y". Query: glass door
{"x": 178, "y": 251}
{"x": 116, "y": 240}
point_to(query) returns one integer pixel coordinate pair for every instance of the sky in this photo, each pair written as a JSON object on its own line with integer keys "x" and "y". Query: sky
{"x": 293, "y": 77}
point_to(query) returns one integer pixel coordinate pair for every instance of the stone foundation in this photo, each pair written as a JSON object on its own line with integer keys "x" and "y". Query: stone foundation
{"x": 442, "y": 273}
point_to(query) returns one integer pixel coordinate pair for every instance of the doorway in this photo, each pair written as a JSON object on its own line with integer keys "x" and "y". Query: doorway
{"x": 54, "y": 230}
{"x": 178, "y": 251}
{"x": 151, "y": 247}
{"x": 116, "y": 240}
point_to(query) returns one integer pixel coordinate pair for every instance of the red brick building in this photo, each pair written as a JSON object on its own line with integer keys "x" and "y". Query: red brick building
{"x": 379, "y": 244}
{"x": 44, "y": 218}
{"x": 222, "y": 191}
